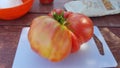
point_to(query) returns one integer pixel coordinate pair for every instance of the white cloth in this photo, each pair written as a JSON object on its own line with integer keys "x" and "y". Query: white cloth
{"x": 93, "y": 8}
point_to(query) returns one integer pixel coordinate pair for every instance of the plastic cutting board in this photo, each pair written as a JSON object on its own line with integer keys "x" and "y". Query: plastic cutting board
{"x": 87, "y": 57}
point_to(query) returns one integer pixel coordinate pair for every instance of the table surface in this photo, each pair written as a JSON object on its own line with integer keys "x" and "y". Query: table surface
{"x": 10, "y": 31}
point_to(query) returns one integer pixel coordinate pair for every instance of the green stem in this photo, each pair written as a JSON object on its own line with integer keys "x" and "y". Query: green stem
{"x": 60, "y": 18}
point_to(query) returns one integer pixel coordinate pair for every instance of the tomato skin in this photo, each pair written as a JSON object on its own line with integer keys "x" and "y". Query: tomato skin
{"x": 75, "y": 43}
{"x": 67, "y": 13}
{"x": 46, "y": 1}
{"x": 81, "y": 26}
{"x": 58, "y": 11}
{"x": 55, "y": 39}
{"x": 49, "y": 39}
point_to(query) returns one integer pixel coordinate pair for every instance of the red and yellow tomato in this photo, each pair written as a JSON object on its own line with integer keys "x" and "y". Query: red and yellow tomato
{"x": 59, "y": 34}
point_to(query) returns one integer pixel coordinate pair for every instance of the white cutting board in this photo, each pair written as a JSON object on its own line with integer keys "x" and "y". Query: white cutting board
{"x": 87, "y": 57}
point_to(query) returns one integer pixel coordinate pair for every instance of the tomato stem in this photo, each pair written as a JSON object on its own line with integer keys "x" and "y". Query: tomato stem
{"x": 59, "y": 17}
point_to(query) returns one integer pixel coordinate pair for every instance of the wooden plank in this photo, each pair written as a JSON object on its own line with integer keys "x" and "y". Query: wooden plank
{"x": 23, "y": 21}
{"x": 112, "y": 37}
{"x": 9, "y": 37}
{"x": 105, "y": 21}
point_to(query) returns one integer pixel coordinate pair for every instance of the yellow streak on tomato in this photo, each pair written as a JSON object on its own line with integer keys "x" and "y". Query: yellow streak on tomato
{"x": 61, "y": 43}
{"x": 49, "y": 39}
{"x": 40, "y": 35}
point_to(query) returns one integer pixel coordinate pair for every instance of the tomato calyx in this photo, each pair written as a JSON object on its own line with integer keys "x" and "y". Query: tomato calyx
{"x": 60, "y": 18}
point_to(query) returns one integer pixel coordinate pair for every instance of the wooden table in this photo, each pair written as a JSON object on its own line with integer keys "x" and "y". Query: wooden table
{"x": 10, "y": 31}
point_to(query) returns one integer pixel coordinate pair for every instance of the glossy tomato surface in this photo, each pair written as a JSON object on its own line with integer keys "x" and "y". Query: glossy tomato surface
{"x": 59, "y": 34}
{"x": 50, "y": 39}
{"x": 80, "y": 25}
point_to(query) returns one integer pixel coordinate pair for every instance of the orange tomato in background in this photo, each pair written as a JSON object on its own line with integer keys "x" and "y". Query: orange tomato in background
{"x": 46, "y": 1}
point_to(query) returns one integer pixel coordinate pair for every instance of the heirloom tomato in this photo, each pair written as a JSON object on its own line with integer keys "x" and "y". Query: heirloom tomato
{"x": 59, "y": 34}
{"x": 80, "y": 25}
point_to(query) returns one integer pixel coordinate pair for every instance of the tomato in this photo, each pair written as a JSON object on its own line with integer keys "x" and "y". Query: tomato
{"x": 66, "y": 14}
{"x": 46, "y": 1}
{"x": 80, "y": 25}
{"x": 59, "y": 34}
{"x": 50, "y": 39}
